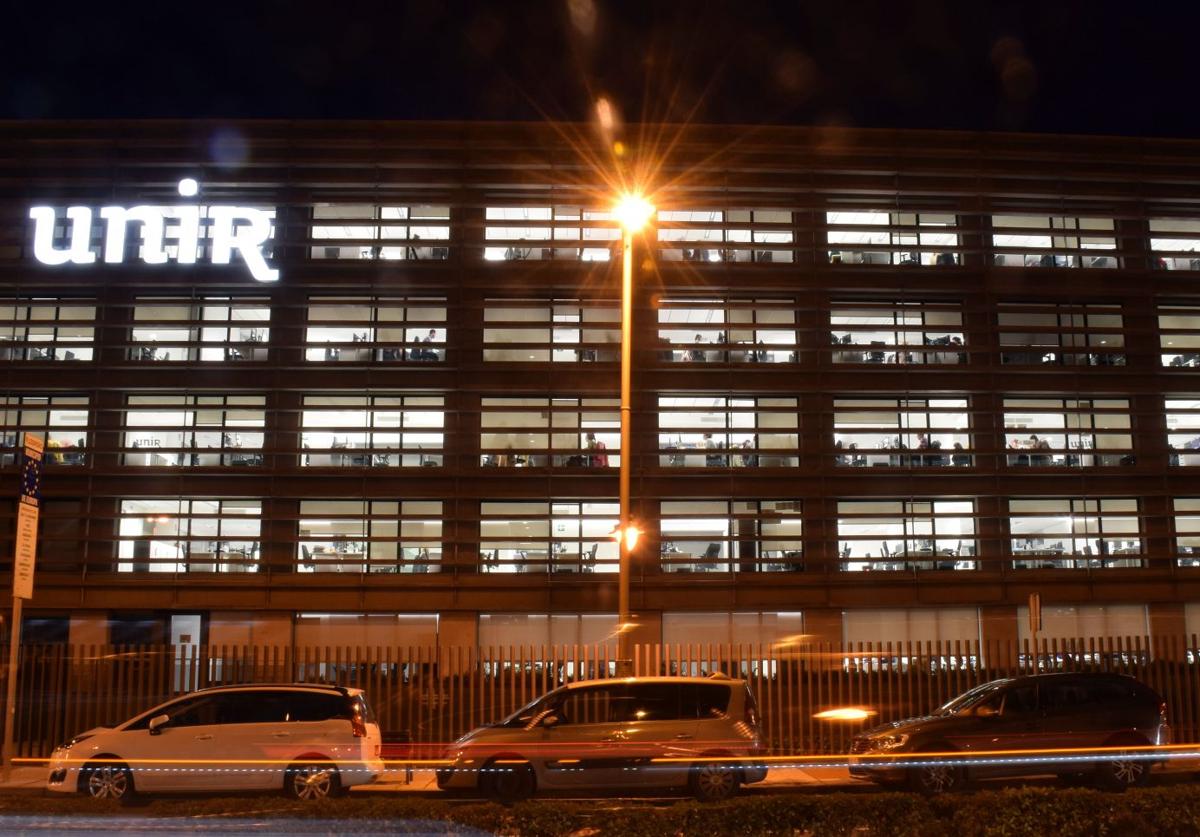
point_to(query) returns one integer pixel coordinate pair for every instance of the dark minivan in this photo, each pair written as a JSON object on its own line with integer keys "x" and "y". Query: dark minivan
{"x": 1042, "y": 712}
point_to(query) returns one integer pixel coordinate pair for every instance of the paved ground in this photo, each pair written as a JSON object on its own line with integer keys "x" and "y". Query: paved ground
{"x": 780, "y": 778}
{"x": 33, "y": 779}
{"x": 240, "y": 826}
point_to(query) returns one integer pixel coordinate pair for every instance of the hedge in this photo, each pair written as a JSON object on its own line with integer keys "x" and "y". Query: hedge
{"x": 1169, "y": 811}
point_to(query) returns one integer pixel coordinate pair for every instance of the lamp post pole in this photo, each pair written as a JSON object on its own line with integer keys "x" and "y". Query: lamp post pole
{"x": 624, "y": 618}
{"x": 633, "y": 212}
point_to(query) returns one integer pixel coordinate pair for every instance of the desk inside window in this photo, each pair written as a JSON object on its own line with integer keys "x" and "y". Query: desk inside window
{"x": 333, "y": 561}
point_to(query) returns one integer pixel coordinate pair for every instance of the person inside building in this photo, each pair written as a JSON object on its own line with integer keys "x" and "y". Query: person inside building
{"x": 426, "y": 352}
{"x": 597, "y": 452}
{"x": 713, "y": 460}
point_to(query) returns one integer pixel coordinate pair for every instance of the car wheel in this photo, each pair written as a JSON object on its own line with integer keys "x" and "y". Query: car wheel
{"x": 1122, "y": 773}
{"x": 508, "y": 781}
{"x": 712, "y": 781}
{"x": 312, "y": 780}
{"x": 108, "y": 780}
{"x": 936, "y": 777}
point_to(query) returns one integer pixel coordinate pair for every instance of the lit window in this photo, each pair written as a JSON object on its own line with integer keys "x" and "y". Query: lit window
{"x": 557, "y": 432}
{"x": 906, "y": 535}
{"x": 560, "y": 330}
{"x": 1072, "y": 432}
{"x": 905, "y": 433}
{"x": 380, "y": 431}
{"x": 214, "y": 329}
{"x": 190, "y": 535}
{"x": 1175, "y": 243}
{"x": 380, "y": 536}
{"x": 897, "y": 332}
{"x": 745, "y": 536}
{"x": 1075, "y": 533}
{"x": 1053, "y": 241}
{"x": 1179, "y": 336}
{"x": 1187, "y": 531}
{"x": 716, "y": 431}
{"x": 539, "y": 233}
{"x": 727, "y": 331}
{"x": 194, "y": 430}
{"x": 60, "y": 421}
{"x": 878, "y": 236}
{"x": 1183, "y": 430}
{"x": 560, "y": 536}
{"x": 1037, "y": 334}
{"x": 367, "y": 231}
{"x": 47, "y": 329}
{"x": 366, "y": 329}
{"x": 700, "y": 236}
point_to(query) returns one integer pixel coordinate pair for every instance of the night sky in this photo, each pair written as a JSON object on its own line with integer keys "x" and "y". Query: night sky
{"x": 1069, "y": 67}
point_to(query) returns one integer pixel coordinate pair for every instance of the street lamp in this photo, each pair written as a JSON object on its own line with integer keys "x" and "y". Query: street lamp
{"x": 632, "y": 211}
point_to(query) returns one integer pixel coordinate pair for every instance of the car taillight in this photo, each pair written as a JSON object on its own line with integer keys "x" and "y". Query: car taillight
{"x": 358, "y": 725}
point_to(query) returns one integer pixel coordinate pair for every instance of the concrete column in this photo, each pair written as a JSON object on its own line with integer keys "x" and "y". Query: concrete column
{"x": 88, "y": 629}
{"x": 456, "y": 629}
{"x": 823, "y": 625}
{"x": 998, "y": 624}
{"x": 1166, "y": 619}
{"x": 648, "y": 630}
{"x": 1168, "y": 624}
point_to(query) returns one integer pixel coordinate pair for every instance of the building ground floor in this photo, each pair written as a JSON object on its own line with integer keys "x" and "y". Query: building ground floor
{"x": 499, "y": 629}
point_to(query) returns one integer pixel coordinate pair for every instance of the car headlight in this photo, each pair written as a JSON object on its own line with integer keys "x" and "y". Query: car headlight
{"x": 885, "y": 743}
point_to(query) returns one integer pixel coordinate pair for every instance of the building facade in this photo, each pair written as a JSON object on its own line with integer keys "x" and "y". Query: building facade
{"x": 357, "y": 383}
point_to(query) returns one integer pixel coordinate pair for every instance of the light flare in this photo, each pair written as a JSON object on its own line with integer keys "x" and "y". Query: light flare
{"x": 845, "y": 713}
{"x": 633, "y": 211}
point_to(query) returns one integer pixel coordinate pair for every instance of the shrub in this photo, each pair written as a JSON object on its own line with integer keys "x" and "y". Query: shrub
{"x": 1169, "y": 811}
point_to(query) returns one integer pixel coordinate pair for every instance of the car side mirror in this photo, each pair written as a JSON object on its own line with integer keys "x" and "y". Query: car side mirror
{"x": 155, "y": 725}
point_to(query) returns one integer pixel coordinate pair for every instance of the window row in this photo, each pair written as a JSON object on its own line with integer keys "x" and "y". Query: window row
{"x": 689, "y": 330}
{"x": 854, "y": 234}
{"x": 694, "y": 431}
{"x": 223, "y": 535}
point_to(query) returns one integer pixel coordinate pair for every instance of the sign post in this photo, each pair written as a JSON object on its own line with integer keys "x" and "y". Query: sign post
{"x": 1035, "y": 624}
{"x": 24, "y": 558}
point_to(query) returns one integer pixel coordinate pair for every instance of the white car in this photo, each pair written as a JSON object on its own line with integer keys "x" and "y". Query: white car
{"x": 309, "y": 741}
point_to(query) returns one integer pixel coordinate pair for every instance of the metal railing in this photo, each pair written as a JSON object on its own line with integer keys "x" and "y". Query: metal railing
{"x": 430, "y": 695}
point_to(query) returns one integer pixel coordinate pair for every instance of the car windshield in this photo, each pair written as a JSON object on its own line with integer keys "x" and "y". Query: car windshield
{"x": 970, "y": 698}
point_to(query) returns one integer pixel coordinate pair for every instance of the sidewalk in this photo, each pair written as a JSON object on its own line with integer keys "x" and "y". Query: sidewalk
{"x": 33, "y": 779}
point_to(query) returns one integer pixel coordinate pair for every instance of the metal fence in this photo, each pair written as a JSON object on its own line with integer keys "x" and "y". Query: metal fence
{"x": 431, "y": 695}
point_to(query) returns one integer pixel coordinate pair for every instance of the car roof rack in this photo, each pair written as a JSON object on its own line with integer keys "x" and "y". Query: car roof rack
{"x": 333, "y": 687}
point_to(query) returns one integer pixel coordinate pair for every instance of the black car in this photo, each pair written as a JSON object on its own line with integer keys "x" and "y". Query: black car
{"x": 1061, "y": 713}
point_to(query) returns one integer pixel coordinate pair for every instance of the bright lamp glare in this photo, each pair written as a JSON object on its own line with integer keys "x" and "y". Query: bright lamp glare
{"x": 188, "y": 187}
{"x": 632, "y": 533}
{"x": 845, "y": 713}
{"x": 633, "y": 211}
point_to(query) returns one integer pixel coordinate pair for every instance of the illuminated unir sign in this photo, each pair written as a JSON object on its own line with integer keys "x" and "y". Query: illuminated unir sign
{"x": 230, "y": 228}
